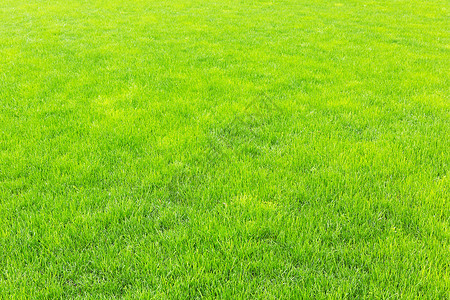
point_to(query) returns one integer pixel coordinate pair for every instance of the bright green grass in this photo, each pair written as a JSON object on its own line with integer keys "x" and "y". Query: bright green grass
{"x": 224, "y": 149}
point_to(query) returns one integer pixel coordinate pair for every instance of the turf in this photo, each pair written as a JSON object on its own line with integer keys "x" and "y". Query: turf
{"x": 224, "y": 149}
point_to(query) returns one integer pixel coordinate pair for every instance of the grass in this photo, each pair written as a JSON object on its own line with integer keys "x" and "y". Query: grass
{"x": 224, "y": 149}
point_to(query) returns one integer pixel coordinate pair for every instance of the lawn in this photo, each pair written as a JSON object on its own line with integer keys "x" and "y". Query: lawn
{"x": 224, "y": 149}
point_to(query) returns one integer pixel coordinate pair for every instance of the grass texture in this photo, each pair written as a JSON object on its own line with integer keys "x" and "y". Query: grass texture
{"x": 224, "y": 149}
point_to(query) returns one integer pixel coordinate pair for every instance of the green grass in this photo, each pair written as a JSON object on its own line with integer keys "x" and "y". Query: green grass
{"x": 224, "y": 149}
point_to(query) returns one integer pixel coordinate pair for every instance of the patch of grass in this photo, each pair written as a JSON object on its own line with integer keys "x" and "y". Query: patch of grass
{"x": 224, "y": 149}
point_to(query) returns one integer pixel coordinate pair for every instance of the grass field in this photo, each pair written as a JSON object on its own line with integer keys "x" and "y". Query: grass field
{"x": 224, "y": 149}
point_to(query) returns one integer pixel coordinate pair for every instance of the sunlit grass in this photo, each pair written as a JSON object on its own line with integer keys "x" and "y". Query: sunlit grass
{"x": 224, "y": 149}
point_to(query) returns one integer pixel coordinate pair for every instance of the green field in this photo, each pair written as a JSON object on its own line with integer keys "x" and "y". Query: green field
{"x": 224, "y": 149}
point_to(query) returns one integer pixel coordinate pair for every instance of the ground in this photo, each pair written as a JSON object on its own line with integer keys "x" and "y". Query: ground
{"x": 224, "y": 149}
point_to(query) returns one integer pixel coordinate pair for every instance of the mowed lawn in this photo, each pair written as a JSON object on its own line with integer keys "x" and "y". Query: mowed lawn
{"x": 224, "y": 149}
